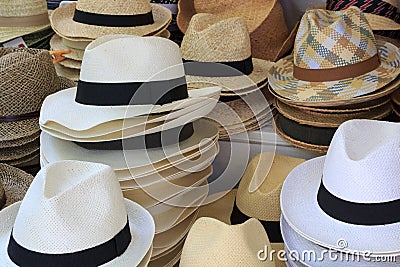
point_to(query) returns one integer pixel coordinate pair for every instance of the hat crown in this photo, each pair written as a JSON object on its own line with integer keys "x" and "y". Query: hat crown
{"x": 22, "y": 8}
{"x": 332, "y": 39}
{"x": 210, "y": 38}
{"x": 127, "y": 58}
{"x": 115, "y": 7}
{"x": 362, "y": 162}
{"x": 78, "y": 203}
{"x": 28, "y": 76}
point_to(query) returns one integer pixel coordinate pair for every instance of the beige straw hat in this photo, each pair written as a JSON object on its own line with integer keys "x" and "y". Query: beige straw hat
{"x": 56, "y": 43}
{"x": 214, "y": 243}
{"x": 72, "y": 74}
{"x": 220, "y": 209}
{"x": 71, "y": 63}
{"x": 170, "y": 258}
{"x": 92, "y": 19}
{"x": 21, "y": 17}
{"x": 264, "y": 19}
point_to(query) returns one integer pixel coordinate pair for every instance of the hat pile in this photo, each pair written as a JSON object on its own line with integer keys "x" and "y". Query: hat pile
{"x": 350, "y": 204}
{"x": 218, "y": 51}
{"x": 142, "y": 119}
{"x": 77, "y": 24}
{"x": 26, "y": 19}
{"x": 27, "y": 78}
{"x": 396, "y": 103}
{"x": 338, "y": 72}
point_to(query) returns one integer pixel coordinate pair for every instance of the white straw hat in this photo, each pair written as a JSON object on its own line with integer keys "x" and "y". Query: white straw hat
{"x": 75, "y": 210}
{"x": 353, "y": 191}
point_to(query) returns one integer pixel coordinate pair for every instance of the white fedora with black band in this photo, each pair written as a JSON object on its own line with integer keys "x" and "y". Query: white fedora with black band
{"x": 352, "y": 193}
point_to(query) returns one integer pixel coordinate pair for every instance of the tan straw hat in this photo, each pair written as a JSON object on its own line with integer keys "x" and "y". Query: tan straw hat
{"x": 56, "y": 43}
{"x": 21, "y": 17}
{"x": 264, "y": 19}
{"x": 220, "y": 209}
{"x": 92, "y": 19}
{"x": 214, "y": 243}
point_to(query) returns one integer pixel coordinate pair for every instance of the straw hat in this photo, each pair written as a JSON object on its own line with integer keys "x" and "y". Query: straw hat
{"x": 170, "y": 258}
{"x": 63, "y": 195}
{"x": 72, "y": 74}
{"x": 71, "y": 63}
{"x": 15, "y": 183}
{"x": 56, "y": 43}
{"x": 343, "y": 191}
{"x": 92, "y": 19}
{"x": 214, "y": 243}
{"x": 315, "y": 75}
{"x": 264, "y": 19}
{"x": 21, "y": 17}
{"x": 220, "y": 209}
{"x": 211, "y": 39}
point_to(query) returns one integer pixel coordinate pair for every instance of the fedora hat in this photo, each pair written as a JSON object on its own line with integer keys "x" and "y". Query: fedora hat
{"x": 221, "y": 208}
{"x": 264, "y": 19}
{"x": 63, "y": 195}
{"x": 21, "y": 17}
{"x": 88, "y": 19}
{"x": 159, "y": 87}
{"x": 211, "y": 39}
{"x": 334, "y": 61}
{"x": 343, "y": 193}
{"x": 214, "y": 243}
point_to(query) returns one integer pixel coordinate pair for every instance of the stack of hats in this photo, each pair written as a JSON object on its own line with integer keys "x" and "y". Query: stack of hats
{"x": 26, "y": 20}
{"x": 77, "y": 24}
{"x": 139, "y": 117}
{"x": 27, "y": 77}
{"x": 172, "y": 5}
{"x": 348, "y": 212}
{"x": 338, "y": 72}
{"x": 396, "y": 103}
{"x": 218, "y": 51}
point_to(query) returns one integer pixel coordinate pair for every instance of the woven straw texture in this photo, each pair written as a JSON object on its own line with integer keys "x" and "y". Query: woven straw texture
{"x": 15, "y": 183}
{"x": 220, "y": 209}
{"x": 265, "y": 21}
{"x": 21, "y": 8}
{"x": 18, "y": 152}
{"x": 170, "y": 258}
{"x": 56, "y": 43}
{"x": 71, "y": 63}
{"x": 328, "y": 40}
{"x": 62, "y": 23}
{"x": 24, "y": 160}
{"x": 396, "y": 97}
{"x": 72, "y": 74}
{"x": 2, "y": 196}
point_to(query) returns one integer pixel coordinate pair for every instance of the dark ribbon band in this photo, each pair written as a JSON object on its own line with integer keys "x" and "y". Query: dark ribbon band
{"x": 91, "y": 257}
{"x": 159, "y": 139}
{"x": 227, "y": 99}
{"x": 219, "y": 69}
{"x": 358, "y": 213}
{"x": 336, "y": 74}
{"x": 3, "y": 198}
{"x": 135, "y": 93}
{"x": 21, "y": 117}
{"x": 272, "y": 228}
{"x": 113, "y": 20}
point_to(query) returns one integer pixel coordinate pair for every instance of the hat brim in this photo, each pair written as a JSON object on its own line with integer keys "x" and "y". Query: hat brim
{"x": 15, "y": 183}
{"x": 140, "y": 223}
{"x": 72, "y": 74}
{"x": 71, "y": 63}
{"x": 378, "y": 22}
{"x": 56, "y": 43}
{"x": 302, "y": 212}
{"x": 170, "y": 257}
{"x": 62, "y": 21}
{"x": 16, "y": 153}
{"x": 283, "y": 83}
{"x": 9, "y": 33}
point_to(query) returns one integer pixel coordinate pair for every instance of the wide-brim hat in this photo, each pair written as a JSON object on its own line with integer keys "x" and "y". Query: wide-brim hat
{"x": 221, "y": 208}
{"x": 15, "y": 183}
{"x": 56, "y": 43}
{"x": 63, "y": 23}
{"x": 71, "y": 63}
{"x": 72, "y": 74}
{"x": 170, "y": 258}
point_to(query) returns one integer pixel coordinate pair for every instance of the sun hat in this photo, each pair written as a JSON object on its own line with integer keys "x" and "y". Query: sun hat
{"x": 56, "y": 43}
{"x": 88, "y": 19}
{"x": 21, "y": 17}
{"x": 214, "y": 243}
{"x": 221, "y": 208}
{"x": 211, "y": 39}
{"x": 169, "y": 259}
{"x": 315, "y": 75}
{"x": 71, "y": 63}
{"x": 2, "y": 196}
{"x": 63, "y": 195}
{"x": 103, "y": 73}
{"x": 343, "y": 191}
{"x": 264, "y": 19}
{"x": 72, "y": 74}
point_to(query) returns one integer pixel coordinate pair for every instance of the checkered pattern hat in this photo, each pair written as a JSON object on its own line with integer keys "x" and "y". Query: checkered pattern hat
{"x": 336, "y": 57}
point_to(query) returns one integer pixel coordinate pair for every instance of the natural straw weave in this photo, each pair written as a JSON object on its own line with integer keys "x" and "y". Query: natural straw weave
{"x": 15, "y": 183}
{"x": 56, "y": 43}
{"x": 71, "y": 63}
{"x": 72, "y": 74}
{"x": 24, "y": 161}
{"x": 16, "y": 153}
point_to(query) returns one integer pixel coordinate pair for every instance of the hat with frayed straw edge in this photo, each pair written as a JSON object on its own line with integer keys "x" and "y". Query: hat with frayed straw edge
{"x": 211, "y": 39}
{"x": 214, "y": 243}
{"x": 21, "y": 17}
{"x": 343, "y": 193}
{"x": 264, "y": 19}
{"x": 15, "y": 183}
{"x": 334, "y": 60}
{"x": 92, "y": 19}
{"x": 75, "y": 195}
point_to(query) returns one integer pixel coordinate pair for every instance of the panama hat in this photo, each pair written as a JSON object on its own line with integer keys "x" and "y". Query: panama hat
{"x": 211, "y": 39}
{"x": 221, "y": 208}
{"x": 56, "y": 43}
{"x": 264, "y": 19}
{"x": 214, "y": 243}
{"x": 315, "y": 75}
{"x": 166, "y": 79}
{"x": 21, "y": 17}
{"x": 345, "y": 180}
{"x": 169, "y": 259}
{"x": 79, "y": 188}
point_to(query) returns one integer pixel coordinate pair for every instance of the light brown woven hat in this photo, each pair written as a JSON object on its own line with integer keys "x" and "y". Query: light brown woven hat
{"x": 15, "y": 153}
{"x": 212, "y": 39}
{"x": 2, "y": 196}
{"x": 21, "y": 17}
{"x": 15, "y": 183}
{"x": 396, "y": 97}
{"x": 169, "y": 258}
{"x": 92, "y": 19}
{"x": 20, "y": 141}
{"x": 265, "y": 21}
